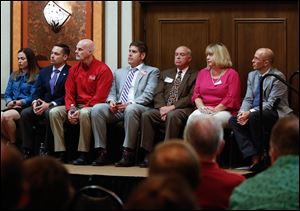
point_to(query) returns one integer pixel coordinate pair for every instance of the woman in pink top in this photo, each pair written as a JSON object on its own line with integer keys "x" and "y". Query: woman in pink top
{"x": 217, "y": 91}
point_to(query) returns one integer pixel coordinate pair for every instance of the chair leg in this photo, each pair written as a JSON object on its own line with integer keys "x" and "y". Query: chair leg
{"x": 230, "y": 149}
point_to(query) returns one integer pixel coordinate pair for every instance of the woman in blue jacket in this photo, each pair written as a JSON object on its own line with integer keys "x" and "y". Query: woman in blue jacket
{"x": 18, "y": 93}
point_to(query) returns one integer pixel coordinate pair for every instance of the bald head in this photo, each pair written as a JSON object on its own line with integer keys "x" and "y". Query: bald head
{"x": 85, "y": 50}
{"x": 185, "y": 49}
{"x": 263, "y": 60}
{"x": 88, "y": 44}
{"x": 183, "y": 57}
{"x": 266, "y": 54}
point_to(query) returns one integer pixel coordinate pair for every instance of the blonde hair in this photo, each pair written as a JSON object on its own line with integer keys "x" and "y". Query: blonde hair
{"x": 221, "y": 54}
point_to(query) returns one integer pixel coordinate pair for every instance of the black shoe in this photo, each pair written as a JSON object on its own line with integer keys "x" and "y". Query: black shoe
{"x": 127, "y": 158}
{"x": 81, "y": 160}
{"x": 145, "y": 163}
{"x": 27, "y": 154}
{"x": 60, "y": 157}
{"x": 102, "y": 158}
{"x": 260, "y": 166}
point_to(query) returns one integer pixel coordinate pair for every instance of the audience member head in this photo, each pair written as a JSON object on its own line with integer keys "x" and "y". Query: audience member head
{"x": 142, "y": 49}
{"x": 162, "y": 192}
{"x": 27, "y": 63}
{"x": 183, "y": 57}
{"x": 175, "y": 157}
{"x": 205, "y": 134}
{"x": 49, "y": 183}
{"x": 59, "y": 54}
{"x": 220, "y": 54}
{"x": 263, "y": 59}
{"x": 284, "y": 138}
{"x": 84, "y": 51}
{"x": 12, "y": 178}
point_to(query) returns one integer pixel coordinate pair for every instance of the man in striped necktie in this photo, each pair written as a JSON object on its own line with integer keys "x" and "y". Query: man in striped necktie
{"x": 128, "y": 85}
{"x": 131, "y": 94}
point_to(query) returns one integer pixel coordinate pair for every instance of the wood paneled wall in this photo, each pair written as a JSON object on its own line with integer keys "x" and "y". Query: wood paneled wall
{"x": 242, "y": 27}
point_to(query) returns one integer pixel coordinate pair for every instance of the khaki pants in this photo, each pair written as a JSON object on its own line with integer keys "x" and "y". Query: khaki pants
{"x": 58, "y": 115}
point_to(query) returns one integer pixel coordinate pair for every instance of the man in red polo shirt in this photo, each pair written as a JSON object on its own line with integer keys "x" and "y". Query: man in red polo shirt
{"x": 88, "y": 83}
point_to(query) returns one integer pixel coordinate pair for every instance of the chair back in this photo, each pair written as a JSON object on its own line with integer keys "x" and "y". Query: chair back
{"x": 95, "y": 197}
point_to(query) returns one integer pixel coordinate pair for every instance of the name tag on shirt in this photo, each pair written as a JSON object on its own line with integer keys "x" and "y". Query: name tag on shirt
{"x": 168, "y": 80}
{"x": 218, "y": 83}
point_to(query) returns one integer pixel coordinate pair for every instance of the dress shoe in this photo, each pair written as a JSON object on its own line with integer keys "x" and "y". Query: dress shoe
{"x": 27, "y": 154}
{"x": 127, "y": 158}
{"x": 145, "y": 163}
{"x": 60, "y": 156}
{"x": 261, "y": 165}
{"x": 257, "y": 167}
{"x": 81, "y": 160}
{"x": 102, "y": 158}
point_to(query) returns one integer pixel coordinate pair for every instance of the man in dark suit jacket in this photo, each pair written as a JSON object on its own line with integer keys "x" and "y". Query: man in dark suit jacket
{"x": 172, "y": 102}
{"x": 50, "y": 92}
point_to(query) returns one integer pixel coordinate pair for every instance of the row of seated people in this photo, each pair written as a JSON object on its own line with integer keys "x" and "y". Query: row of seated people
{"x": 143, "y": 97}
{"x": 183, "y": 175}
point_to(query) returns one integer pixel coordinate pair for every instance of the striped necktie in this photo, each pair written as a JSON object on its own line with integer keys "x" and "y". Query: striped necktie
{"x": 125, "y": 91}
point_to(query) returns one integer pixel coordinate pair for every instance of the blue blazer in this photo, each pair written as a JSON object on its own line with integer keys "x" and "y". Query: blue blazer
{"x": 42, "y": 84}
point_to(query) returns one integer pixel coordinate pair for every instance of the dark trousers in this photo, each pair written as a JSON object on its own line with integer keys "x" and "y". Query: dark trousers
{"x": 29, "y": 124}
{"x": 151, "y": 124}
{"x": 249, "y": 137}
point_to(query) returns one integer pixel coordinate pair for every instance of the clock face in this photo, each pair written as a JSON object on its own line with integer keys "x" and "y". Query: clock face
{"x": 54, "y": 14}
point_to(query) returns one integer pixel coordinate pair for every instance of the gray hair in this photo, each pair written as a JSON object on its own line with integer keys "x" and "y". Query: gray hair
{"x": 204, "y": 133}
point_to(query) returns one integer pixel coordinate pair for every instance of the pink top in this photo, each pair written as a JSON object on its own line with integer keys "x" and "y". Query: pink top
{"x": 227, "y": 91}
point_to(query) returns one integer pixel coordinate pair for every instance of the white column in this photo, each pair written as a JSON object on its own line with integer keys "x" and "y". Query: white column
{"x": 111, "y": 34}
{"x": 126, "y": 24}
{"x": 5, "y": 44}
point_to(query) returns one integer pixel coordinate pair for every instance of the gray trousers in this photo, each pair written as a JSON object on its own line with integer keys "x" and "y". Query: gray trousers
{"x": 101, "y": 116}
{"x": 151, "y": 123}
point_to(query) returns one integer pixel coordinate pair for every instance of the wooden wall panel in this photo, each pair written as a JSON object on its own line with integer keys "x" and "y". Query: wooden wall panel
{"x": 264, "y": 32}
{"x": 242, "y": 26}
{"x": 173, "y": 33}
